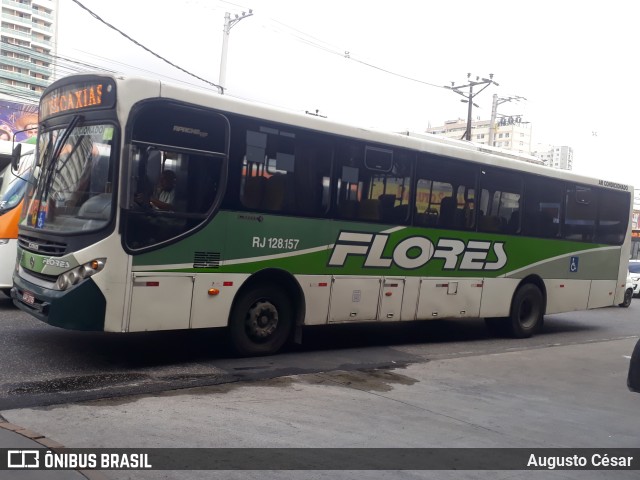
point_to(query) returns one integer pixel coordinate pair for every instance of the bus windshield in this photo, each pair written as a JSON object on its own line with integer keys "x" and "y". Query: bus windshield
{"x": 14, "y": 186}
{"x": 74, "y": 190}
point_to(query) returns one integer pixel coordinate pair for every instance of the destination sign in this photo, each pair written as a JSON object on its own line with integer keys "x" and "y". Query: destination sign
{"x": 99, "y": 93}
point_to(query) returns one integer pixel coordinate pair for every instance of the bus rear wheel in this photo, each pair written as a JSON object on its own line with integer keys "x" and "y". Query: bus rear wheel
{"x": 260, "y": 322}
{"x": 628, "y": 295}
{"x": 527, "y": 312}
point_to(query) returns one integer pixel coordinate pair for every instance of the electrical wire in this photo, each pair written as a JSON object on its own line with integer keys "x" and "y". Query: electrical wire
{"x": 94, "y": 15}
{"x": 299, "y": 35}
{"x": 327, "y": 47}
{"x": 70, "y": 65}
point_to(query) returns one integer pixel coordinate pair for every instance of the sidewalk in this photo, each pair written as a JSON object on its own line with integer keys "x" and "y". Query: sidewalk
{"x": 16, "y": 437}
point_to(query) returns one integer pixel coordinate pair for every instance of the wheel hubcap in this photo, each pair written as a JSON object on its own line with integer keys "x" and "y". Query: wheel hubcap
{"x": 528, "y": 314}
{"x": 262, "y": 320}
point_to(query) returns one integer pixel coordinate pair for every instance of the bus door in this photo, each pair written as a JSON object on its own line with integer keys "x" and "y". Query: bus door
{"x": 176, "y": 173}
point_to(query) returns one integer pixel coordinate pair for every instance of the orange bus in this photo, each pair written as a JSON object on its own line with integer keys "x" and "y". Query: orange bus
{"x": 12, "y": 189}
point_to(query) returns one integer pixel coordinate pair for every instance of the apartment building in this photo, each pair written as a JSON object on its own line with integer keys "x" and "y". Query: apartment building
{"x": 555, "y": 156}
{"x": 27, "y": 48}
{"x": 510, "y": 133}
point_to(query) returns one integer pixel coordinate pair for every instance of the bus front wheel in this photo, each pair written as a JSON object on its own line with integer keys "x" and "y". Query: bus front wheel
{"x": 527, "y": 311}
{"x": 261, "y": 321}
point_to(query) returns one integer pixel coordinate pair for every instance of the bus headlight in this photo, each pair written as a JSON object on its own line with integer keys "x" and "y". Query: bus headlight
{"x": 72, "y": 277}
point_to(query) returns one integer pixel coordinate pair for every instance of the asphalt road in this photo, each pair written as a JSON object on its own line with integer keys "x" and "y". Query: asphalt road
{"x": 429, "y": 385}
{"x": 43, "y": 365}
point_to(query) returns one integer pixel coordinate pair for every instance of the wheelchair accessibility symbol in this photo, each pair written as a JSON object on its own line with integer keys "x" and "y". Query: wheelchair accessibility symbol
{"x": 573, "y": 265}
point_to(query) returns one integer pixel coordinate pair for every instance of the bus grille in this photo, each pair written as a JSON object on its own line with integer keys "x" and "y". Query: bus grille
{"x": 40, "y": 245}
{"x": 206, "y": 260}
{"x": 42, "y": 276}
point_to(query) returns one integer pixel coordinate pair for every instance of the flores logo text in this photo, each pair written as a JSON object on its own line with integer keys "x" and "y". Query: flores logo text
{"x": 415, "y": 252}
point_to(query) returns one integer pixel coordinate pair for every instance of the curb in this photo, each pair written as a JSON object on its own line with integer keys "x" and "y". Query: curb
{"x": 47, "y": 443}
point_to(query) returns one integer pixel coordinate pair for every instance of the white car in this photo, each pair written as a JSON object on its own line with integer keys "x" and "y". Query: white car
{"x": 634, "y": 274}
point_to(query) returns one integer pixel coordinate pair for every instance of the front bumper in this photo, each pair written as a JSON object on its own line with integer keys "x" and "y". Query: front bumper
{"x": 82, "y": 307}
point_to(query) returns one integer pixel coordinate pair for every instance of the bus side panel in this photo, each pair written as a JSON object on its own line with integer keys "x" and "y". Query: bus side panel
{"x": 354, "y": 299}
{"x": 316, "y": 290}
{"x": 8, "y": 251}
{"x": 8, "y": 262}
{"x": 496, "y": 296}
{"x": 160, "y": 301}
{"x": 9, "y": 222}
{"x": 602, "y": 293}
{"x": 567, "y": 295}
{"x": 112, "y": 281}
{"x": 210, "y": 310}
{"x": 449, "y": 298}
{"x": 410, "y": 299}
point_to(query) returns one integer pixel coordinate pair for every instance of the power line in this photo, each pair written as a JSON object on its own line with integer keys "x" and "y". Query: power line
{"x": 327, "y": 47}
{"x": 142, "y": 46}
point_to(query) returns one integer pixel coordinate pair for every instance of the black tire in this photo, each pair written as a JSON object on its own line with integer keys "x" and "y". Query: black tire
{"x": 527, "y": 312}
{"x": 628, "y": 295}
{"x": 260, "y": 322}
{"x": 7, "y": 292}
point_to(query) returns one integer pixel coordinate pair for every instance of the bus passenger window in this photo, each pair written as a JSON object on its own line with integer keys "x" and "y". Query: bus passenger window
{"x": 374, "y": 183}
{"x": 446, "y": 194}
{"x": 500, "y": 199}
{"x": 285, "y": 171}
{"x": 580, "y": 214}
{"x": 612, "y": 217}
{"x": 543, "y": 199}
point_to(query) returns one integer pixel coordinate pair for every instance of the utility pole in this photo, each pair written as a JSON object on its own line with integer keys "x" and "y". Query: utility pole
{"x": 469, "y": 97}
{"x": 228, "y": 25}
{"x": 494, "y": 113}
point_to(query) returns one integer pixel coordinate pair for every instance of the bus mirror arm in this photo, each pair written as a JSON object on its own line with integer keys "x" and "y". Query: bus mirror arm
{"x": 15, "y": 157}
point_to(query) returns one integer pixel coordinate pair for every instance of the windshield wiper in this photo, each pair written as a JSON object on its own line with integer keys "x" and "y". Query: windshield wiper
{"x": 62, "y": 140}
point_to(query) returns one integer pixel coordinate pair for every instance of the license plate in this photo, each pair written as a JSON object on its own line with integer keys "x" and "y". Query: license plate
{"x": 28, "y": 297}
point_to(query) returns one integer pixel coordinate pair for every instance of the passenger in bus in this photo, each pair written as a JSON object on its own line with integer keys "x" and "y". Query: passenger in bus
{"x": 447, "y": 212}
{"x": 164, "y": 193}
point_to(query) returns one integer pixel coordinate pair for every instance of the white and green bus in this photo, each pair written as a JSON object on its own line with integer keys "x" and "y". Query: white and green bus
{"x": 279, "y": 220}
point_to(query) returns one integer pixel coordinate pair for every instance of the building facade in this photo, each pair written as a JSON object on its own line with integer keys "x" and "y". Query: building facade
{"x": 27, "y": 48}
{"x": 510, "y": 133}
{"x": 555, "y": 156}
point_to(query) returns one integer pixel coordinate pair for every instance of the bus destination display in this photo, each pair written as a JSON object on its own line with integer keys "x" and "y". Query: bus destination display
{"x": 77, "y": 97}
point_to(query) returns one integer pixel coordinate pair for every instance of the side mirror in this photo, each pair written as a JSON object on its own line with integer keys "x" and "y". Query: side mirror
{"x": 15, "y": 157}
